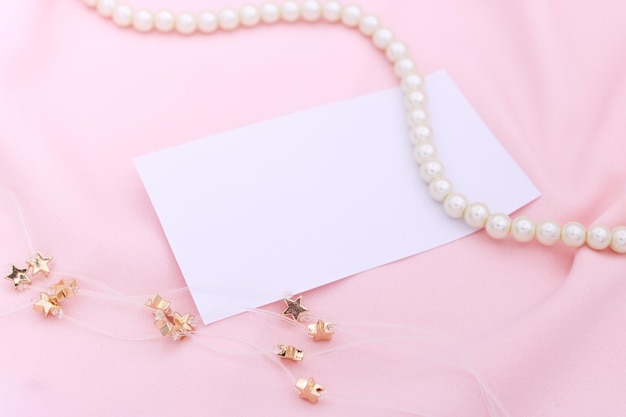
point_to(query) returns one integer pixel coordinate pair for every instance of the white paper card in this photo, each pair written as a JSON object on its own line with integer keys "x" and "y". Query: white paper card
{"x": 293, "y": 203}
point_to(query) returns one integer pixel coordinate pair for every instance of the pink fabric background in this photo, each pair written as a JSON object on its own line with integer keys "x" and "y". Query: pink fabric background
{"x": 80, "y": 98}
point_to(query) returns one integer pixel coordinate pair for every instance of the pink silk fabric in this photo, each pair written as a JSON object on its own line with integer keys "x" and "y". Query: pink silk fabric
{"x": 542, "y": 328}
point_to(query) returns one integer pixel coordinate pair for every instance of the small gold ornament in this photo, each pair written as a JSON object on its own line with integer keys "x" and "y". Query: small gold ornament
{"x": 63, "y": 290}
{"x": 294, "y": 308}
{"x": 162, "y": 322}
{"x": 156, "y": 302}
{"x": 175, "y": 325}
{"x": 18, "y": 277}
{"x": 47, "y": 304}
{"x": 50, "y": 302}
{"x": 321, "y": 330}
{"x": 289, "y": 352}
{"x": 183, "y": 323}
{"x": 40, "y": 264}
{"x": 309, "y": 390}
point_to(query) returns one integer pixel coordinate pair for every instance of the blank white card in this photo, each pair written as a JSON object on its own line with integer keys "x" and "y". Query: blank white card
{"x": 290, "y": 204}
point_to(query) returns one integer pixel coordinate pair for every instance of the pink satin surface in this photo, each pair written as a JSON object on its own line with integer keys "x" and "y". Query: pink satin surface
{"x": 544, "y": 328}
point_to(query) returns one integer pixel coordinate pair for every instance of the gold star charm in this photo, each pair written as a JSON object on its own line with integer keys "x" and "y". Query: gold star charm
{"x": 19, "y": 277}
{"x": 156, "y": 302}
{"x": 177, "y": 326}
{"x": 63, "y": 290}
{"x": 184, "y": 323}
{"x": 163, "y": 323}
{"x": 321, "y": 330}
{"x": 289, "y": 352}
{"x": 40, "y": 264}
{"x": 309, "y": 390}
{"x": 47, "y": 304}
{"x": 294, "y": 308}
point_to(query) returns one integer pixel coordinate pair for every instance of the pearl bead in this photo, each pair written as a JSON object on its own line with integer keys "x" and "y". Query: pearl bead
{"x": 311, "y": 10}
{"x": 424, "y": 150}
{"x": 454, "y": 205}
{"x": 382, "y": 38}
{"x": 417, "y": 117}
{"x": 414, "y": 99}
{"x": 228, "y": 19}
{"x": 411, "y": 82}
{"x": 290, "y": 11}
{"x": 598, "y": 237}
{"x": 143, "y": 21}
{"x": 332, "y": 11}
{"x": 431, "y": 169}
{"x": 476, "y": 215}
{"x": 186, "y": 23}
{"x": 440, "y": 188}
{"x": 368, "y": 25}
{"x": 618, "y": 239}
{"x": 403, "y": 67}
{"x": 573, "y": 234}
{"x": 122, "y": 15}
{"x": 351, "y": 15}
{"x": 207, "y": 22}
{"x": 523, "y": 229}
{"x": 396, "y": 50}
{"x": 164, "y": 21}
{"x": 105, "y": 7}
{"x": 420, "y": 133}
{"x": 498, "y": 225}
{"x": 249, "y": 16}
{"x": 548, "y": 232}
{"x": 270, "y": 13}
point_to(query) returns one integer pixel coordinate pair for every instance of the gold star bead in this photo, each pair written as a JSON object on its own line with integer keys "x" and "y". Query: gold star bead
{"x": 289, "y": 352}
{"x": 18, "y": 276}
{"x": 47, "y": 304}
{"x": 321, "y": 330}
{"x": 156, "y": 302}
{"x": 63, "y": 290}
{"x": 40, "y": 264}
{"x": 309, "y": 390}
{"x": 184, "y": 323}
{"x": 294, "y": 308}
{"x": 164, "y": 325}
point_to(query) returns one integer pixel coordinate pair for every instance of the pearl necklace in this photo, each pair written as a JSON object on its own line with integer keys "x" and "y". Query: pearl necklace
{"x": 476, "y": 214}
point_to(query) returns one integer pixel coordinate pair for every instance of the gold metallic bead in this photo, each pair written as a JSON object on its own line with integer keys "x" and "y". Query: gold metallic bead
{"x": 321, "y": 330}
{"x": 18, "y": 277}
{"x": 47, "y": 304}
{"x": 40, "y": 264}
{"x": 156, "y": 302}
{"x": 289, "y": 352}
{"x": 294, "y": 308}
{"x": 164, "y": 325}
{"x": 63, "y": 290}
{"x": 175, "y": 325}
{"x": 309, "y": 390}
{"x": 184, "y": 323}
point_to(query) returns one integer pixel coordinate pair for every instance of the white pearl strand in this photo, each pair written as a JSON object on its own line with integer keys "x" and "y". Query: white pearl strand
{"x": 456, "y": 205}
